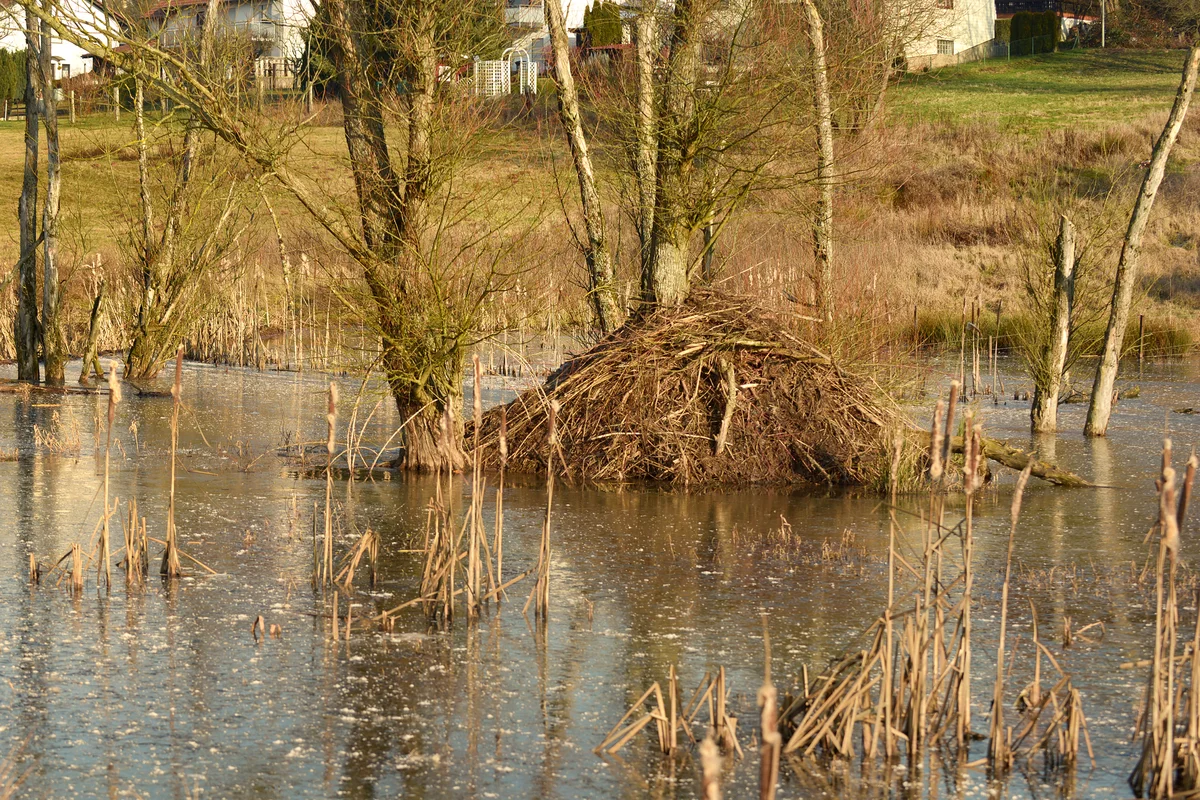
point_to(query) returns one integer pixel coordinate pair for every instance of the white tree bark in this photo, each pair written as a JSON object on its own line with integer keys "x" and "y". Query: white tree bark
{"x": 1044, "y": 413}
{"x": 1100, "y": 408}
{"x": 602, "y": 288}
{"x": 645, "y": 32}
{"x": 823, "y": 223}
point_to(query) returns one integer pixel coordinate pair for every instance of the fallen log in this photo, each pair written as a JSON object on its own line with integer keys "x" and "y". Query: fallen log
{"x": 1016, "y": 459}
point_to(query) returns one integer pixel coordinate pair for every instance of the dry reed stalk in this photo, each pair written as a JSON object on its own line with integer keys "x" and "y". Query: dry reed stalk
{"x": 771, "y": 741}
{"x": 366, "y": 547}
{"x": 326, "y": 574}
{"x": 76, "y": 568}
{"x": 1170, "y": 759}
{"x": 498, "y": 541}
{"x": 710, "y": 764}
{"x": 478, "y": 550}
{"x": 624, "y": 731}
{"x": 333, "y": 615}
{"x": 35, "y": 571}
{"x": 170, "y": 566}
{"x": 539, "y": 595}
{"x": 999, "y": 756}
{"x": 103, "y": 567}
{"x": 136, "y": 556}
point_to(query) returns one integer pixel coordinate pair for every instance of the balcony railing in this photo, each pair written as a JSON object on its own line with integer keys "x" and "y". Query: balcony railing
{"x": 177, "y": 34}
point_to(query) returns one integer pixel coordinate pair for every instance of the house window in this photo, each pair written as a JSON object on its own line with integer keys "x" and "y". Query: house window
{"x": 945, "y": 47}
{"x": 66, "y": 71}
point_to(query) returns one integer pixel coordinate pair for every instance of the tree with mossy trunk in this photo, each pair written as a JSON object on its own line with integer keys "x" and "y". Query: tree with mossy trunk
{"x": 54, "y": 339}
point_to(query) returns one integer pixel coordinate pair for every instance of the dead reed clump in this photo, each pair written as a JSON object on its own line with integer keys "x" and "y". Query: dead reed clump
{"x": 136, "y": 561}
{"x": 654, "y": 401}
{"x": 1170, "y": 722}
{"x": 61, "y": 437}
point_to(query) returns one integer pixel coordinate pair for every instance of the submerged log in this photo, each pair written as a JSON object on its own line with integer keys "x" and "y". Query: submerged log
{"x": 1014, "y": 458}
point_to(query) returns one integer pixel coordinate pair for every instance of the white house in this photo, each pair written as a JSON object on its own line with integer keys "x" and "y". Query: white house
{"x": 950, "y": 32}
{"x": 68, "y": 60}
{"x": 273, "y": 27}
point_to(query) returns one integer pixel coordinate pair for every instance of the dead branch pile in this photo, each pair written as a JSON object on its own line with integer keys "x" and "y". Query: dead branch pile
{"x": 716, "y": 391}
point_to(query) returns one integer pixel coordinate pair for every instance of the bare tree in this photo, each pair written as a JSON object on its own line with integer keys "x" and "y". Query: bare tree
{"x": 646, "y": 153}
{"x": 1048, "y": 379}
{"x": 26, "y": 334}
{"x": 601, "y": 287}
{"x": 1100, "y": 407}
{"x": 54, "y": 340}
{"x": 823, "y": 222}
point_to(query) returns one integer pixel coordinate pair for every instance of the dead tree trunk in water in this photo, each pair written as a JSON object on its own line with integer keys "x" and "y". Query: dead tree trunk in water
{"x": 1044, "y": 413}
{"x": 645, "y": 34}
{"x": 1100, "y": 408}
{"x": 601, "y": 287}
{"x": 26, "y": 333}
{"x": 54, "y": 340}
{"x": 823, "y": 224}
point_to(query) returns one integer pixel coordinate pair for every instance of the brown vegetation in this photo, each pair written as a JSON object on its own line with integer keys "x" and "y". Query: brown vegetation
{"x": 716, "y": 391}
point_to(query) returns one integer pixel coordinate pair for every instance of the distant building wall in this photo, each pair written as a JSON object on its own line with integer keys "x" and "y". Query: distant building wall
{"x": 957, "y": 30}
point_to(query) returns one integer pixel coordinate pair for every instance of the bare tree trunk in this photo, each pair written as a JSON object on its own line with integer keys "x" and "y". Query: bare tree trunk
{"x": 666, "y": 281}
{"x": 26, "y": 334}
{"x": 1048, "y": 379}
{"x": 54, "y": 340}
{"x": 1100, "y": 408}
{"x": 136, "y": 360}
{"x": 602, "y": 288}
{"x": 645, "y": 45}
{"x": 823, "y": 224}
{"x": 424, "y": 371}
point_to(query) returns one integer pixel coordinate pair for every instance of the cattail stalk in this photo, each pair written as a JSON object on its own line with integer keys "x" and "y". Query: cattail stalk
{"x": 170, "y": 561}
{"x": 114, "y": 397}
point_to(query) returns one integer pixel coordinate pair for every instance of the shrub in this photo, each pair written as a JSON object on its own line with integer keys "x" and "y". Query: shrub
{"x": 1004, "y": 30}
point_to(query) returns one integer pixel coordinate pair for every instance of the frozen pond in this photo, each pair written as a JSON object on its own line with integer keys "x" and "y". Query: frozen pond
{"x": 162, "y": 691}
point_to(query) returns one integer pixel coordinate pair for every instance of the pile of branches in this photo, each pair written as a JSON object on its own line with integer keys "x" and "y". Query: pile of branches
{"x": 717, "y": 391}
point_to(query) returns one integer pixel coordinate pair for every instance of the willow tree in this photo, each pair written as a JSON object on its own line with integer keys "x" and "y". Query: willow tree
{"x": 428, "y": 261}
{"x": 188, "y": 217}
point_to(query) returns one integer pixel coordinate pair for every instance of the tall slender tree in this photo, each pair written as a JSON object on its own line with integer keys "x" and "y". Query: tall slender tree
{"x": 602, "y": 290}
{"x": 27, "y": 312}
{"x": 1100, "y": 407}
{"x": 54, "y": 340}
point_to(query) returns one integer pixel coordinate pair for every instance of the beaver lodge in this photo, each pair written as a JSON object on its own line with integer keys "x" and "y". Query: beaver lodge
{"x": 717, "y": 391}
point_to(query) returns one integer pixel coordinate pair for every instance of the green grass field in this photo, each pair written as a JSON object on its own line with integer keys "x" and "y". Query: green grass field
{"x": 1090, "y": 88}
